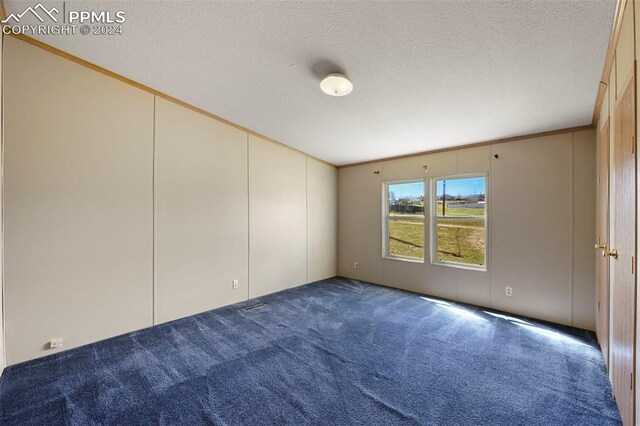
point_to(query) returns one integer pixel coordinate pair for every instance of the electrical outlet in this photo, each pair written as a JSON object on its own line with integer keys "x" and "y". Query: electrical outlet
{"x": 55, "y": 343}
{"x": 355, "y": 265}
{"x": 508, "y": 291}
{"x": 235, "y": 284}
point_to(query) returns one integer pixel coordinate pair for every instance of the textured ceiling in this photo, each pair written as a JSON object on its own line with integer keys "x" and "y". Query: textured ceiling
{"x": 427, "y": 75}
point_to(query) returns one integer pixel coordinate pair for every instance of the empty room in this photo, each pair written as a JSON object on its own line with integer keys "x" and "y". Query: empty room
{"x": 368, "y": 212}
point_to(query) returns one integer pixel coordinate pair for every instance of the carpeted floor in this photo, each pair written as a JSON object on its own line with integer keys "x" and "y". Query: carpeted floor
{"x": 334, "y": 352}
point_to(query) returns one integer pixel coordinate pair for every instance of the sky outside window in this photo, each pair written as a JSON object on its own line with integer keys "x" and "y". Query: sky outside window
{"x": 407, "y": 190}
{"x": 463, "y": 186}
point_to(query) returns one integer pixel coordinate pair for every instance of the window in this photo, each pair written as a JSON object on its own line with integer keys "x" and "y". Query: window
{"x": 459, "y": 218}
{"x": 404, "y": 220}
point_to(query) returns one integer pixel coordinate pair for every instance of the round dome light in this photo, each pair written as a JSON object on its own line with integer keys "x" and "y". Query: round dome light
{"x": 336, "y": 85}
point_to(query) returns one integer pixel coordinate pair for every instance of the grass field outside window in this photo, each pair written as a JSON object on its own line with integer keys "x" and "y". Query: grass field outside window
{"x": 404, "y": 220}
{"x": 459, "y": 218}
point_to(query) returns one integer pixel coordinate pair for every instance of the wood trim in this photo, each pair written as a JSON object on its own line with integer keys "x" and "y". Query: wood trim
{"x": 630, "y": 79}
{"x": 608, "y": 62}
{"x": 627, "y": 80}
{"x": 473, "y": 145}
{"x": 155, "y": 92}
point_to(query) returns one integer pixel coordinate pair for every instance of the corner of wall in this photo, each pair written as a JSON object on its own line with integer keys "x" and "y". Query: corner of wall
{"x": 2, "y": 346}
{"x": 583, "y": 229}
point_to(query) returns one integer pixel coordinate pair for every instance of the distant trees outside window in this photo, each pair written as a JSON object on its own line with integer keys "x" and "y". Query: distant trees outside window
{"x": 459, "y": 218}
{"x": 404, "y": 220}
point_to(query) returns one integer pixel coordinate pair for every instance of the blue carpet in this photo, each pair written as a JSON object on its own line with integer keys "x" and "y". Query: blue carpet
{"x": 333, "y": 352}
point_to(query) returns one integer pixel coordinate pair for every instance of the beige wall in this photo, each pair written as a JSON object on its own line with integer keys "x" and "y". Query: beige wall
{"x": 547, "y": 183}
{"x": 322, "y": 214}
{"x": 277, "y": 217}
{"x": 584, "y": 231}
{"x": 359, "y": 236}
{"x": 201, "y": 212}
{"x": 114, "y": 223}
{"x": 531, "y": 227}
{"x": 78, "y": 203}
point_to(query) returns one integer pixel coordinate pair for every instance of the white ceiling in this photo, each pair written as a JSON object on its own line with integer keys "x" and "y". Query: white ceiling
{"x": 426, "y": 75}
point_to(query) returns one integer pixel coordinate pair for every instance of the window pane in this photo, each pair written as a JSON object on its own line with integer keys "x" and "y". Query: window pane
{"x": 406, "y": 220}
{"x": 406, "y": 198}
{"x": 406, "y": 236}
{"x": 461, "y": 241}
{"x": 460, "y": 197}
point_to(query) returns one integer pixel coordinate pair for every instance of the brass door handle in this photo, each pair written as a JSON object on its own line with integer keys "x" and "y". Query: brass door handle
{"x": 613, "y": 253}
{"x": 602, "y": 246}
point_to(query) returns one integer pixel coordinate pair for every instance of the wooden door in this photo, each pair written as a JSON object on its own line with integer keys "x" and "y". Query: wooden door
{"x": 602, "y": 235}
{"x": 622, "y": 344}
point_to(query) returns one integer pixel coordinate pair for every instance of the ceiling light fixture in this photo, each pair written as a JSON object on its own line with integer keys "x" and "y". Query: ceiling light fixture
{"x": 336, "y": 85}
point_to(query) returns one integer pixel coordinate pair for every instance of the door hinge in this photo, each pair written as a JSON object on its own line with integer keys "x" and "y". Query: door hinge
{"x": 598, "y": 306}
{"x": 633, "y": 144}
{"x": 633, "y": 265}
{"x": 631, "y": 381}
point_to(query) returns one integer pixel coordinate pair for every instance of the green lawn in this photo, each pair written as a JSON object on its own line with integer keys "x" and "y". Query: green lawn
{"x": 461, "y": 241}
{"x": 459, "y": 211}
{"x": 406, "y": 237}
{"x": 458, "y": 241}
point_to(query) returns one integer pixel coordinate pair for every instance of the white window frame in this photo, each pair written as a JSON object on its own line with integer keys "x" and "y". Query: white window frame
{"x": 433, "y": 202}
{"x": 385, "y": 221}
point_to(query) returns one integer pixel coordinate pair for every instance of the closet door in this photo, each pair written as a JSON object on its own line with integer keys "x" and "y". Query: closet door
{"x": 622, "y": 252}
{"x": 602, "y": 235}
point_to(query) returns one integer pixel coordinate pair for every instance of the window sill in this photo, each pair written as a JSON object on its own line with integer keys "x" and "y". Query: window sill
{"x": 404, "y": 259}
{"x": 460, "y": 266}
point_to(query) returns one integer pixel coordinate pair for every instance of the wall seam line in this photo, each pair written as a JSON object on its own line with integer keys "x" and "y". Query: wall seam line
{"x": 382, "y": 223}
{"x": 154, "y": 274}
{"x": 248, "y": 222}
{"x": 306, "y": 166}
{"x": 2, "y": 154}
{"x": 573, "y": 224}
